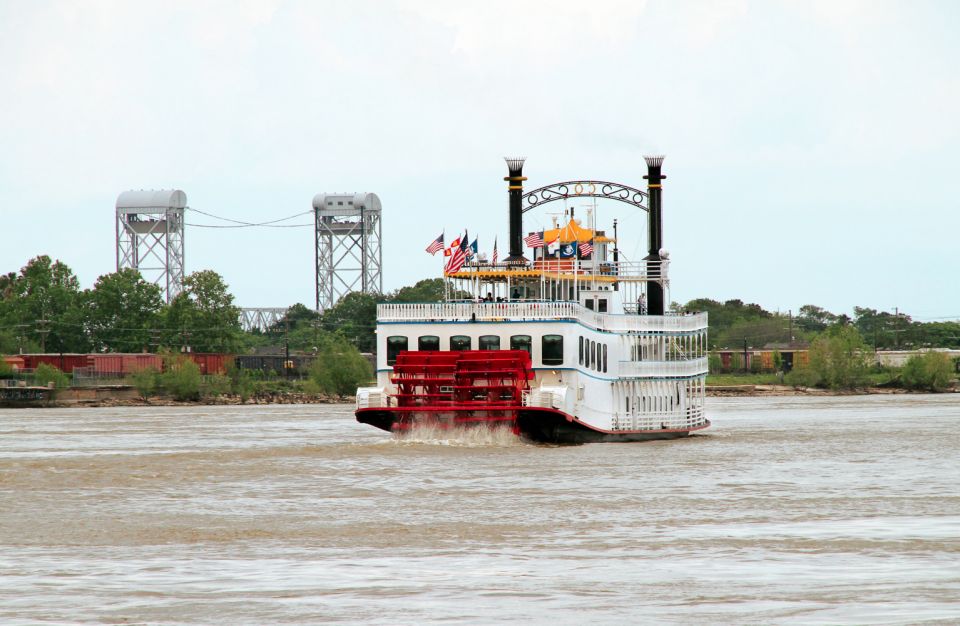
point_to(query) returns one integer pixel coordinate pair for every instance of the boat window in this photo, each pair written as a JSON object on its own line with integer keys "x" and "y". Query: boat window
{"x": 552, "y": 350}
{"x": 429, "y": 343}
{"x": 521, "y": 342}
{"x": 394, "y": 345}
{"x": 489, "y": 342}
{"x": 602, "y": 305}
{"x": 581, "y": 350}
{"x": 593, "y": 355}
{"x": 604, "y": 357}
{"x": 460, "y": 342}
{"x": 588, "y": 303}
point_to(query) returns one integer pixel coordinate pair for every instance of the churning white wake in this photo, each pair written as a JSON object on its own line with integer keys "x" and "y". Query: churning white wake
{"x": 474, "y": 436}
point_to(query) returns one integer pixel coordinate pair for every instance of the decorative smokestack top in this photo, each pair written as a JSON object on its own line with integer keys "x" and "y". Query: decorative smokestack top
{"x": 515, "y": 165}
{"x": 655, "y": 160}
{"x": 515, "y": 189}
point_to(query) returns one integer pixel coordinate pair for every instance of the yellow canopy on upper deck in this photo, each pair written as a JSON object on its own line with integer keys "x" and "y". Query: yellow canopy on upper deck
{"x": 574, "y": 232}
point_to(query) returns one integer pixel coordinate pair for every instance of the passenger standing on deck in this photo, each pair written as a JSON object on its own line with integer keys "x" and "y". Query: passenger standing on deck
{"x": 641, "y": 305}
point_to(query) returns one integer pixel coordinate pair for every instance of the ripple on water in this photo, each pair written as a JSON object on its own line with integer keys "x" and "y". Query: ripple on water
{"x": 810, "y": 510}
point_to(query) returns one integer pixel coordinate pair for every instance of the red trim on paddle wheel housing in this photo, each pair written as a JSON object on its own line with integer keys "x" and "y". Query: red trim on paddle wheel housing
{"x": 460, "y": 388}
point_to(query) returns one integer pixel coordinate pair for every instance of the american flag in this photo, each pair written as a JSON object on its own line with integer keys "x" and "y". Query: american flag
{"x": 436, "y": 245}
{"x": 457, "y": 258}
{"x": 586, "y": 248}
{"x": 535, "y": 240}
{"x": 496, "y": 257}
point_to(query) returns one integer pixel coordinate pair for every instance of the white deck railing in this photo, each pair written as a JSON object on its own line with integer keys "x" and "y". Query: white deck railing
{"x": 624, "y": 270}
{"x": 691, "y": 367}
{"x": 536, "y": 311}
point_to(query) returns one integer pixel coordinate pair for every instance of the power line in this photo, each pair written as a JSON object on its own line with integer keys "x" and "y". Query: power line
{"x": 242, "y": 224}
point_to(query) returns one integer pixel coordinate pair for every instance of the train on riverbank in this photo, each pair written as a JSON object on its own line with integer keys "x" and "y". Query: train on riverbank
{"x": 119, "y": 365}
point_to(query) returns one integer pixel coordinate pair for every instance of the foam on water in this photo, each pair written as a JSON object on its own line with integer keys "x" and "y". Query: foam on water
{"x": 472, "y": 437}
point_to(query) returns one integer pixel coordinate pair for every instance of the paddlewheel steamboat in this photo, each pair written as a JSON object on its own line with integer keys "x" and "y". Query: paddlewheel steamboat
{"x": 570, "y": 346}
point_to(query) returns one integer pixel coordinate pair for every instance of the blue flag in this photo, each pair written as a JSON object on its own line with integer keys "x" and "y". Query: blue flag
{"x": 568, "y": 250}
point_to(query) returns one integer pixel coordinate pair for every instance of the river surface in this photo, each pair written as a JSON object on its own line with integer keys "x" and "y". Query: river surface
{"x": 787, "y": 510}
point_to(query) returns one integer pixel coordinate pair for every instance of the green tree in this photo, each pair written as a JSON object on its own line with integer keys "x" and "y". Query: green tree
{"x": 122, "y": 308}
{"x": 758, "y": 332}
{"x": 812, "y": 318}
{"x": 426, "y": 290}
{"x": 299, "y": 329}
{"x": 932, "y": 371}
{"x": 838, "y": 360}
{"x": 354, "y": 318}
{"x": 43, "y": 305}
{"x": 724, "y": 316}
{"x": 339, "y": 368}
{"x": 203, "y": 316}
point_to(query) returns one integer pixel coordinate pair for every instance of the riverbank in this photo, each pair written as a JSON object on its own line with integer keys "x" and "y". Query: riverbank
{"x": 127, "y": 396}
{"x": 121, "y": 396}
{"x": 725, "y": 391}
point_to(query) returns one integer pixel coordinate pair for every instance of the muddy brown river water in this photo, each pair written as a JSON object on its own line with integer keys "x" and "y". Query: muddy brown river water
{"x": 788, "y": 510}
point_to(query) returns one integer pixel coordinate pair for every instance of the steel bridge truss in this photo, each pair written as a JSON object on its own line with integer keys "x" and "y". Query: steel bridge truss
{"x": 151, "y": 241}
{"x": 261, "y": 318}
{"x": 349, "y": 252}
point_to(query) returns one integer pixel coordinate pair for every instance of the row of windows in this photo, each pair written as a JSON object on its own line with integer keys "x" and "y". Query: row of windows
{"x": 551, "y": 345}
{"x": 593, "y": 354}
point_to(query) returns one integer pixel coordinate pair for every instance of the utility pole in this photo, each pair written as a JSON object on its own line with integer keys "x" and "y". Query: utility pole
{"x": 286, "y": 347}
{"x": 744, "y": 355}
{"x": 43, "y": 331}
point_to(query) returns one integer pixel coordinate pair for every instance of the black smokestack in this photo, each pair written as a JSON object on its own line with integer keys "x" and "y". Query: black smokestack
{"x": 515, "y": 188}
{"x": 655, "y": 304}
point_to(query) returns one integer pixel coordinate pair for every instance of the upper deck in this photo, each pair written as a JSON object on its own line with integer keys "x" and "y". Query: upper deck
{"x": 600, "y": 271}
{"x": 537, "y": 311}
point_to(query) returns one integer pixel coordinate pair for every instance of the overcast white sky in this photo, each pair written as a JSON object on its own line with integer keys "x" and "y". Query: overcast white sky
{"x": 812, "y": 147}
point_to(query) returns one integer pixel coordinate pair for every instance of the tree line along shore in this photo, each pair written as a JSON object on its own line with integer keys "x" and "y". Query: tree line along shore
{"x": 44, "y": 309}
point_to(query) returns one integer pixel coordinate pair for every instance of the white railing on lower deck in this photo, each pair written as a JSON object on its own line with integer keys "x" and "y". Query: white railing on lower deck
{"x": 691, "y": 367}
{"x": 692, "y": 417}
{"x": 536, "y": 311}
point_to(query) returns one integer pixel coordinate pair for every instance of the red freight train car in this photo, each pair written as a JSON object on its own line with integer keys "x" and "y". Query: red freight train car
{"x": 122, "y": 364}
{"x": 63, "y": 362}
{"x": 210, "y": 362}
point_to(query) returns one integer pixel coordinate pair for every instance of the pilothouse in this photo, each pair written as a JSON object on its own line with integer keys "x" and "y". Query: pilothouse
{"x": 571, "y": 345}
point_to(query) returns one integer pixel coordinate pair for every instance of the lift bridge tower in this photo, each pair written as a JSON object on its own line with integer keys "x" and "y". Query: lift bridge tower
{"x": 150, "y": 236}
{"x": 349, "y": 254}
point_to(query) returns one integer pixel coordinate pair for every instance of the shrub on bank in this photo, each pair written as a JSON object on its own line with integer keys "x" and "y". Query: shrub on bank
{"x": 45, "y": 374}
{"x": 931, "y": 371}
{"x": 338, "y": 369}
{"x": 145, "y": 381}
{"x": 216, "y": 385}
{"x": 182, "y": 379}
{"x": 838, "y": 360}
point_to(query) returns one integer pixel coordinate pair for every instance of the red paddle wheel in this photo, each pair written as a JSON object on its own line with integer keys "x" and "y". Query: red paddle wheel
{"x": 454, "y": 389}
